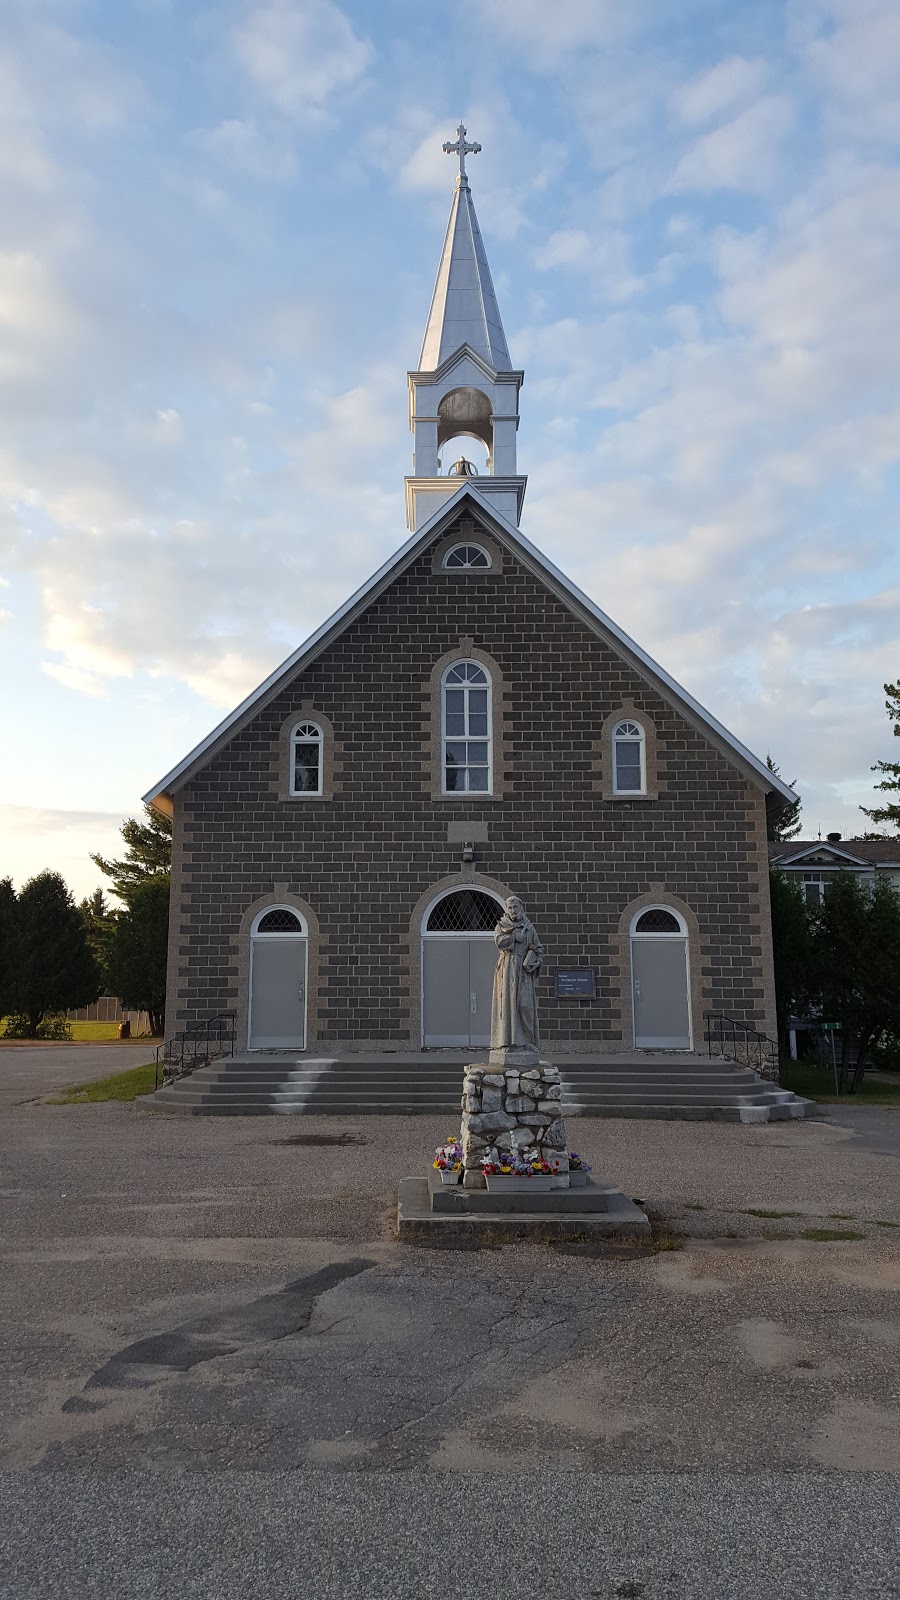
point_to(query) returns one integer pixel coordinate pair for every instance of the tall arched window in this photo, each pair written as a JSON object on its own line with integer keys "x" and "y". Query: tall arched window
{"x": 306, "y": 758}
{"x": 629, "y": 758}
{"x": 466, "y": 729}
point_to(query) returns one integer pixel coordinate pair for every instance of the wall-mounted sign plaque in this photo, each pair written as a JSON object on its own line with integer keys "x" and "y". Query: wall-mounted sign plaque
{"x": 577, "y": 983}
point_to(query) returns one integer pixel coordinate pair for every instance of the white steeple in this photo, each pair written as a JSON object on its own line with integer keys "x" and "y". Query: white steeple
{"x": 465, "y": 383}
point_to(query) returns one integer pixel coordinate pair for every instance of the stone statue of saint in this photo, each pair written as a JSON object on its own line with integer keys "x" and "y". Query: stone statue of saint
{"x": 514, "y": 1019}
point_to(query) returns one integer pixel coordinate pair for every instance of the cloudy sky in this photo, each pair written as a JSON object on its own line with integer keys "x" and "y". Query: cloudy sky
{"x": 221, "y": 223}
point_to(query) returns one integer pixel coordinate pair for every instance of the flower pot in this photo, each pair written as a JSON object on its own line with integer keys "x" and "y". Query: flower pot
{"x": 577, "y": 1178}
{"x": 449, "y": 1177}
{"x": 512, "y": 1183}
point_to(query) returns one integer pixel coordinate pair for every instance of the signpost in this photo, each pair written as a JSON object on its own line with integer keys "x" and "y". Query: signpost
{"x": 576, "y": 983}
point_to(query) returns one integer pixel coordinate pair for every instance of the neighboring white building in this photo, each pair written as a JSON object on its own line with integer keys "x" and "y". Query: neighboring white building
{"x": 814, "y": 861}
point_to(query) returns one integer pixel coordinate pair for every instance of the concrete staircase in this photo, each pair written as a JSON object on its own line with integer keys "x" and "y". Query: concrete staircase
{"x": 636, "y": 1084}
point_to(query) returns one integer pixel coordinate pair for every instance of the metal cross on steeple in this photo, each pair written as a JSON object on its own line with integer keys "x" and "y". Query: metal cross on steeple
{"x": 461, "y": 149}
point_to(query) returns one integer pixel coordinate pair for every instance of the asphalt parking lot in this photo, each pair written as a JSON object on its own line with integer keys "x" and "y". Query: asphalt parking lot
{"x": 221, "y": 1373}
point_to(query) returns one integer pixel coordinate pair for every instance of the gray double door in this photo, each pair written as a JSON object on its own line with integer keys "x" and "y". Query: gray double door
{"x": 659, "y": 978}
{"x": 457, "y": 985}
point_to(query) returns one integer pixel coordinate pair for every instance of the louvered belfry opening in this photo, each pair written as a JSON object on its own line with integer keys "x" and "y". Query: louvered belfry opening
{"x": 465, "y": 911}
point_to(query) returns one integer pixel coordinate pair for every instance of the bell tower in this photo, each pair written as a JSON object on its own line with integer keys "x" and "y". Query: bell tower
{"x": 465, "y": 387}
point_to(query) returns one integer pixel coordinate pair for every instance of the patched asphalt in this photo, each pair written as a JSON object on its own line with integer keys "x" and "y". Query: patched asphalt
{"x": 220, "y": 1371}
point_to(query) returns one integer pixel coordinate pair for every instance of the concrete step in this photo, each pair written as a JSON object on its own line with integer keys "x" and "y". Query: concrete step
{"x": 638, "y": 1084}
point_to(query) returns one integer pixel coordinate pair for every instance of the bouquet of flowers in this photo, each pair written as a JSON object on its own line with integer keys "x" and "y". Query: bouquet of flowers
{"x": 515, "y": 1164}
{"x": 577, "y": 1163}
{"x": 448, "y": 1157}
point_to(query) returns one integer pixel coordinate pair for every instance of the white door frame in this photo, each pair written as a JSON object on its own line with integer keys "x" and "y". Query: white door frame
{"x": 301, "y": 937}
{"x": 466, "y": 933}
{"x": 633, "y": 938}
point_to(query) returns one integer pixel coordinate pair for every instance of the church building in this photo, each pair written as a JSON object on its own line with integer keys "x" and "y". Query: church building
{"x": 468, "y": 725}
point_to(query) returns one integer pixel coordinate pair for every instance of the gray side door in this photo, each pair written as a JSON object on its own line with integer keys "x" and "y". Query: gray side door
{"x": 445, "y": 992}
{"x": 659, "y": 975}
{"x": 482, "y": 965}
{"x": 277, "y": 994}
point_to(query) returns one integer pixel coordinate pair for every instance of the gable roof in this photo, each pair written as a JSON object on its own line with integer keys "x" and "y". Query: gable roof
{"x": 853, "y": 852}
{"x": 571, "y": 596}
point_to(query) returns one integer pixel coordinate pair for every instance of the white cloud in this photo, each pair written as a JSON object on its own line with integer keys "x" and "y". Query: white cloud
{"x": 239, "y": 145}
{"x": 300, "y": 53}
{"x": 724, "y": 87}
{"x": 74, "y": 678}
{"x": 741, "y": 154}
{"x": 567, "y": 247}
{"x": 856, "y": 58}
{"x": 544, "y": 32}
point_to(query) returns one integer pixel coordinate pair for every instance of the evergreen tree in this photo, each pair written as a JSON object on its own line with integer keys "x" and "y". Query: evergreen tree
{"x": 148, "y": 853}
{"x": 784, "y": 824}
{"x": 8, "y": 910}
{"x": 790, "y": 947}
{"x": 51, "y": 968}
{"x": 137, "y": 955}
{"x": 99, "y": 926}
{"x": 856, "y": 954}
{"x": 890, "y": 783}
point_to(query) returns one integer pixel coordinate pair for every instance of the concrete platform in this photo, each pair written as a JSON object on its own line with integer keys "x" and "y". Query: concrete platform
{"x": 468, "y": 1228}
{"x": 455, "y": 1201}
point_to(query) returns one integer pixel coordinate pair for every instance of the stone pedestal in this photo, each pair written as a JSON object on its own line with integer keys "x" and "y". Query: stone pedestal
{"x": 512, "y": 1104}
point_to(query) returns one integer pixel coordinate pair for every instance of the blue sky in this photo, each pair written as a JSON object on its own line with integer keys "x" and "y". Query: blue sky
{"x": 221, "y": 228}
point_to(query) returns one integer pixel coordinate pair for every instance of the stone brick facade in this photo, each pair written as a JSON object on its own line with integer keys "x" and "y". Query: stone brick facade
{"x": 366, "y": 856}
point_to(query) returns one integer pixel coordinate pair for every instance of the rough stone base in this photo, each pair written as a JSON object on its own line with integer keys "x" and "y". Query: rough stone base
{"x": 467, "y": 1229}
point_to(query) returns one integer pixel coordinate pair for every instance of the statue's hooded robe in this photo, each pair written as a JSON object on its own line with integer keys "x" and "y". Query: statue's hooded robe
{"x": 514, "y": 1019}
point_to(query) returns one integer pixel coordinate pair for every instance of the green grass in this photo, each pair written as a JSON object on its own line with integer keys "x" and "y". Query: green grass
{"x": 826, "y": 1235}
{"x": 118, "y": 1086}
{"x": 94, "y": 1032}
{"x": 82, "y": 1033}
{"x": 816, "y": 1082}
{"x": 760, "y": 1211}
{"x": 879, "y": 1224}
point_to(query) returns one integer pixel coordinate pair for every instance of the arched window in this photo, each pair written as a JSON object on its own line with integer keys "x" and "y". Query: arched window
{"x": 464, "y": 911}
{"x": 280, "y": 919}
{"x": 658, "y": 920}
{"x": 467, "y": 558}
{"x": 306, "y": 758}
{"x": 466, "y": 730}
{"x": 629, "y": 758}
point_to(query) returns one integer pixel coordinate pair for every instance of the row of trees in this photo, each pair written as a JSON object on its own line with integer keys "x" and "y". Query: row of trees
{"x": 56, "y": 956}
{"x": 839, "y": 961}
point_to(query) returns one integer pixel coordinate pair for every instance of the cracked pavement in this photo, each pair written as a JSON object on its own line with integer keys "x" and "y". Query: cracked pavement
{"x": 219, "y": 1315}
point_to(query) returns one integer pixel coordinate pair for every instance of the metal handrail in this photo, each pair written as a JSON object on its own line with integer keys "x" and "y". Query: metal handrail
{"x": 195, "y": 1047}
{"x": 729, "y": 1036}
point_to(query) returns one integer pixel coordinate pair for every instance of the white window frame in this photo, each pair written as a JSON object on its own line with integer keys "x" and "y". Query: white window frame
{"x": 640, "y": 739}
{"x": 681, "y": 932}
{"x": 306, "y": 738}
{"x": 301, "y": 932}
{"x": 813, "y": 880}
{"x": 467, "y": 544}
{"x": 466, "y": 661}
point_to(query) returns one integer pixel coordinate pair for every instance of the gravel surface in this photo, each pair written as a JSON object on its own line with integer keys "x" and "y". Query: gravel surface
{"x": 221, "y": 1298}
{"x": 404, "y": 1536}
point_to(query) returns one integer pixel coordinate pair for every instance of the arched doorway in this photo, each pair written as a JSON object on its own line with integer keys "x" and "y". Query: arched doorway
{"x": 660, "y": 984}
{"x": 458, "y": 961}
{"x": 278, "y": 946}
